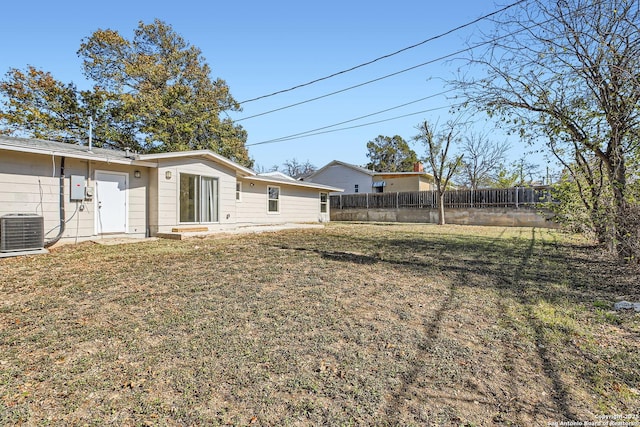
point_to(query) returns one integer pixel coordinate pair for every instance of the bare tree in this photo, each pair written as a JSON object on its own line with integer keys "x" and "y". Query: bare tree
{"x": 482, "y": 159}
{"x": 571, "y": 68}
{"x": 296, "y": 169}
{"x": 444, "y": 165}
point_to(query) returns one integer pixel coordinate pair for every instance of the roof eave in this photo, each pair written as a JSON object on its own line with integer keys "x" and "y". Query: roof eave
{"x": 88, "y": 155}
{"x": 303, "y": 184}
{"x": 199, "y": 153}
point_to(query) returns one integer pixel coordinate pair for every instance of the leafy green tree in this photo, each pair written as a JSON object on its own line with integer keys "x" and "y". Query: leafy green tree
{"x": 520, "y": 173}
{"x": 390, "y": 154}
{"x": 152, "y": 93}
{"x": 443, "y": 164}
{"x": 571, "y": 67}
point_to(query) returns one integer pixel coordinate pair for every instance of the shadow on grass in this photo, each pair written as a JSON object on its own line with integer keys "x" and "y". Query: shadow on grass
{"x": 527, "y": 269}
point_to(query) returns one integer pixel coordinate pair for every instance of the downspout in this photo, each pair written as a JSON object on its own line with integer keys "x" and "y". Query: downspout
{"x": 62, "y": 218}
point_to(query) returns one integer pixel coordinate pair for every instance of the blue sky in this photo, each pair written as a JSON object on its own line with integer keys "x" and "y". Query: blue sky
{"x": 261, "y": 47}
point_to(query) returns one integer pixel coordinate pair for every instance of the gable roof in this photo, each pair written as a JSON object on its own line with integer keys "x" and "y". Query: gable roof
{"x": 366, "y": 171}
{"x": 339, "y": 163}
{"x": 64, "y": 149}
{"x": 208, "y": 154}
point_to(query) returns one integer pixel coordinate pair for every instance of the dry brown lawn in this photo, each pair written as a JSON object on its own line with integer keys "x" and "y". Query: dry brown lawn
{"x": 354, "y": 324}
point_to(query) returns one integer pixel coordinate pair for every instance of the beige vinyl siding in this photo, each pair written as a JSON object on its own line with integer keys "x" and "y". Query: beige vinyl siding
{"x": 30, "y": 183}
{"x": 153, "y": 201}
{"x": 27, "y": 185}
{"x": 297, "y": 204}
{"x": 166, "y": 191}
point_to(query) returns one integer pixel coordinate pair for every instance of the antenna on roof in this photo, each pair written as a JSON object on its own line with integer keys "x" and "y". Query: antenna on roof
{"x": 90, "y": 133}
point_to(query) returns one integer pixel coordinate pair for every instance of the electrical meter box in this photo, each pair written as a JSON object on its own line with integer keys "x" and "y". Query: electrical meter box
{"x": 77, "y": 187}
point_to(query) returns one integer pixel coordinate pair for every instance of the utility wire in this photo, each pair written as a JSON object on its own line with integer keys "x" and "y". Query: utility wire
{"x": 365, "y": 116}
{"x": 370, "y": 81}
{"x": 288, "y": 138}
{"x": 432, "y": 61}
{"x": 388, "y": 55}
{"x": 310, "y": 132}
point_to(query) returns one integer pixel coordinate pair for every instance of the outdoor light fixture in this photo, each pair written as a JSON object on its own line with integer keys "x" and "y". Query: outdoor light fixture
{"x": 137, "y": 174}
{"x": 251, "y": 184}
{"x": 167, "y": 174}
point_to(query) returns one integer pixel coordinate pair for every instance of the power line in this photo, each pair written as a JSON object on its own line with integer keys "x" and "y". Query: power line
{"x": 432, "y": 61}
{"x": 311, "y": 132}
{"x": 388, "y": 55}
{"x": 367, "y": 115}
{"x": 288, "y": 138}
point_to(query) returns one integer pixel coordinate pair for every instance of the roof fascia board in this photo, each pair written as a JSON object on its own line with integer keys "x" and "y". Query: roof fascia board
{"x": 295, "y": 183}
{"x": 87, "y": 156}
{"x": 198, "y": 153}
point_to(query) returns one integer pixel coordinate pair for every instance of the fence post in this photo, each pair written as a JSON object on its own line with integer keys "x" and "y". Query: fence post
{"x": 367, "y": 194}
{"x": 517, "y": 197}
{"x": 340, "y": 201}
{"x": 397, "y": 199}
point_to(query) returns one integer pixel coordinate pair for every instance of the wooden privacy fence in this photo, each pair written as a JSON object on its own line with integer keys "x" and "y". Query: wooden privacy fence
{"x": 483, "y": 198}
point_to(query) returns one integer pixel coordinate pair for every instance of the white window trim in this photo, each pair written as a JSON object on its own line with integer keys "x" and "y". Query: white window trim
{"x": 279, "y": 199}
{"x": 238, "y": 191}
{"x": 326, "y": 203}
{"x": 199, "y": 175}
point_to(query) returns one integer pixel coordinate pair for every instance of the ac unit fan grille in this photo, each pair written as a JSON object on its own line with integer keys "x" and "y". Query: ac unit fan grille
{"x": 21, "y": 232}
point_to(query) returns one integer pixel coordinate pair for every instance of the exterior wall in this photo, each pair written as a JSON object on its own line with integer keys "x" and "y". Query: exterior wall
{"x": 504, "y": 217}
{"x": 30, "y": 183}
{"x": 165, "y": 197}
{"x": 425, "y": 184}
{"x": 297, "y": 204}
{"x": 339, "y": 176}
{"x": 396, "y": 183}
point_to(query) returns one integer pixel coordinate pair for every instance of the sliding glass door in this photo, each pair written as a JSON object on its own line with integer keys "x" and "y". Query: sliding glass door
{"x": 198, "y": 198}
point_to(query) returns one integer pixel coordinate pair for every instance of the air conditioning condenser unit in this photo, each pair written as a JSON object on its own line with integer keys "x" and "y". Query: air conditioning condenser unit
{"x": 21, "y": 232}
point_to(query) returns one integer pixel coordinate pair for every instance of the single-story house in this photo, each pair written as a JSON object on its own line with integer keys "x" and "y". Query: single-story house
{"x": 355, "y": 179}
{"x": 84, "y": 192}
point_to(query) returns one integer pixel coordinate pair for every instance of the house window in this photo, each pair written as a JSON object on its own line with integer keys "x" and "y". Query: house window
{"x": 356, "y": 189}
{"x": 323, "y": 202}
{"x": 273, "y": 194}
{"x": 198, "y": 198}
{"x": 238, "y": 191}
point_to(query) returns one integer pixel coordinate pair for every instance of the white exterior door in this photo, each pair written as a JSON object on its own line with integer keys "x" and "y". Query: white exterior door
{"x": 111, "y": 202}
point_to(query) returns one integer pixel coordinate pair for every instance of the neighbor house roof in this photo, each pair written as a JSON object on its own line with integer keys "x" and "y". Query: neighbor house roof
{"x": 366, "y": 171}
{"x": 339, "y": 163}
{"x": 401, "y": 174}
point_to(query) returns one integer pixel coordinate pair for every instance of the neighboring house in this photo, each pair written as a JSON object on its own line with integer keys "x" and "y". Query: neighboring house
{"x": 355, "y": 179}
{"x": 118, "y": 193}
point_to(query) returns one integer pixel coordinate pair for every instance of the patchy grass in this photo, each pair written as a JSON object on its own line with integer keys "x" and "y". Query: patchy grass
{"x": 356, "y": 324}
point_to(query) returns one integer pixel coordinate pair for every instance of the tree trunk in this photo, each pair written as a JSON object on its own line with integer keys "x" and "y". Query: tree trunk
{"x": 623, "y": 235}
{"x": 441, "y": 220}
